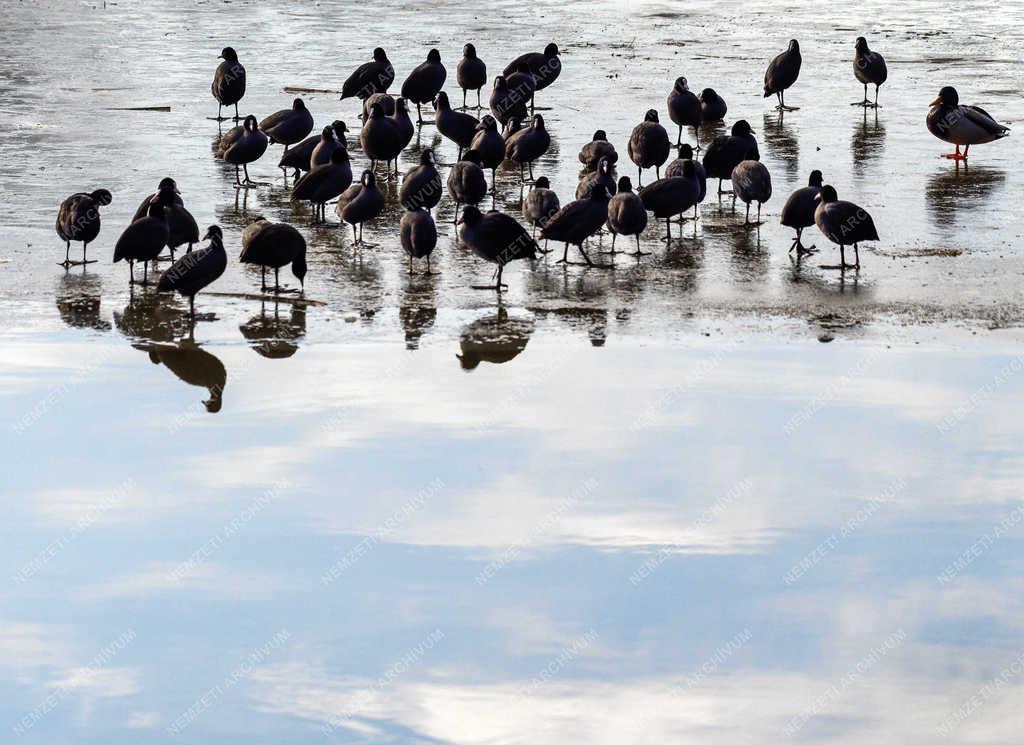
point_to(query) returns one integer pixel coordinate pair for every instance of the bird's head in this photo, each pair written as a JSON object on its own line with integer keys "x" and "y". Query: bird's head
{"x": 651, "y": 116}
{"x": 827, "y": 194}
{"x": 681, "y": 84}
{"x": 600, "y": 136}
{"x": 469, "y": 51}
{"x": 685, "y": 151}
{"x": 947, "y": 96}
{"x": 471, "y": 215}
{"x": 229, "y": 54}
{"x": 742, "y": 128}
{"x": 214, "y": 234}
{"x": 862, "y": 44}
{"x": 816, "y": 179}
{"x": 298, "y": 105}
{"x": 379, "y": 55}
{"x": 551, "y": 50}
{"x": 542, "y": 183}
{"x": 625, "y": 185}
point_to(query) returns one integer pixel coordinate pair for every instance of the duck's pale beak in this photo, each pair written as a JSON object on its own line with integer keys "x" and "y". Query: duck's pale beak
{"x": 206, "y": 236}
{"x": 936, "y": 102}
{"x": 817, "y": 197}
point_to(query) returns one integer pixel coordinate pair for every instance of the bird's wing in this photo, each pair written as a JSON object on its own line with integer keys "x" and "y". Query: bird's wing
{"x": 983, "y": 119}
{"x": 274, "y": 119}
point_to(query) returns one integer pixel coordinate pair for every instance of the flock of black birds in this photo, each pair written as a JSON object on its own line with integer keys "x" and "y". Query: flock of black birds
{"x": 512, "y": 132}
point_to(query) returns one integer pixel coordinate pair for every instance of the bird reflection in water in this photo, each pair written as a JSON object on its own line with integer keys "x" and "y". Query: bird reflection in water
{"x": 155, "y": 322}
{"x": 78, "y": 301}
{"x": 418, "y": 310}
{"x": 950, "y": 192}
{"x": 592, "y": 320}
{"x": 781, "y": 142}
{"x": 274, "y": 335}
{"x": 496, "y": 339}
{"x": 867, "y": 143}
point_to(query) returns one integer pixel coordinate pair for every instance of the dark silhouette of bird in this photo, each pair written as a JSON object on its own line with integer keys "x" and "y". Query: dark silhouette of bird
{"x": 403, "y": 121}
{"x": 489, "y": 145}
{"x": 684, "y": 109}
{"x": 751, "y": 182}
{"x": 506, "y": 103}
{"x": 372, "y": 77}
{"x": 497, "y": 238}
{"x": 961, "y": 125}
{"x": 599, "y": 147}
{"x": 577, "y": 221}
{"x": 418, "y": 235}
{"x": 387, "y": 103}
{"x": 425, "y": 82}
{"x": 196, "y": 270}
{"x": 540, "y": 204}
{"x": 627, "y": 214}
{"x": 868, "y": 67}
{"x": 360, "y": 203}
{"x": 300, "y": 158}
{"x": 78, "y": 219}
{"x": 798, "y": 212}
{"x": 466, "y": 181}
{"x": 649, "y": 145}
{"x": 603, "y": 176}
{"x": 228, "y": 85}
{"x": 728, "y": 151}
{"x": 422, "y": 185}
{"x": 712, "y": 106}
{"x": 545, "y": 66}
{"x": 668, "y": 197}
{"x": 782, "y": 72}
{"x": 457, "y": 126}
{"x": 471, "y": 73}
{"x": 522, "y": 81}
{"x": 527, "y": 145}
{"x": 843, "y": 223}
{"x": 676, "y": 167}
{"x": 380, "y": 139}
{"x": 184, "y": 231}
{"x": 323, "y": 183}
{"x": 288, "y": 126}
{"x": 241, "y": 146}
{"x": 144, "y": 239}
{"x": 274, "y": 245}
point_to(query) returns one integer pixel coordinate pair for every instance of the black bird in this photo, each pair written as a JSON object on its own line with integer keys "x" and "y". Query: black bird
{"x": 422, "y": 186}
{"x": 402, "y": 120}
{"x": 961, "y": 125}
{"x": 380, "y": 139}
{"x": 672, "y": 196}
{"x": 514, "y": 125}
{"x": 425, "y": 82}
{"x": 466, "y": 181}
{"x": 798, "y": 212}
{"x": 526, "y": 145}
{"x": 599, "y": 147}
{"x": 506, "y": 103}
{"x": 360, "y": 202}
{"x": 649, "y": 145}
{"x": 751, "y": 182}
{"x": 324, "y": 183}
{"x": 228, "y": 85}
{"x": 577, "y": 221}
{"x": 489, "y": 145}
{"x": 627, "y": 214}
{"x": 183, "y": 227}
{"x": 522, "y": 81}
{"x": 418, "y": 235}
{"x": 540, "y": 204}
{"x": 728, "y": 151}
{"x": 471, "y": 73}
{"x": 369, "y": 78}
{"x": 78, "y": 219}
{"x": 196, "y": 270}
{"x": 288, "y": 126}
{"x": 241, "y": 146}
{"x": 844, "y": 223}
{"x": 457, "y": 126}
{"x": 675, "y": 168}
{"x": 782, "y": 72}
{"x": 712, "y": 106}
{"x": 301, "y": 156}
{"x": 545, "y": 66}
{"x": 144, "y": 239}
{"x": 868, "y": 67}
{"x": 603, "y": 176}
{"x": 274, "y": 245}
{"x": 386, "y": 101}
{"x": 684, "y": 108}
{"x": 497, "y": 238}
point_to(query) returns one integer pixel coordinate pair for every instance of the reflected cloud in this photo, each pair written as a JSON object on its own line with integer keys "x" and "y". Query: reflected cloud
{"x": 496, "y": 339}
